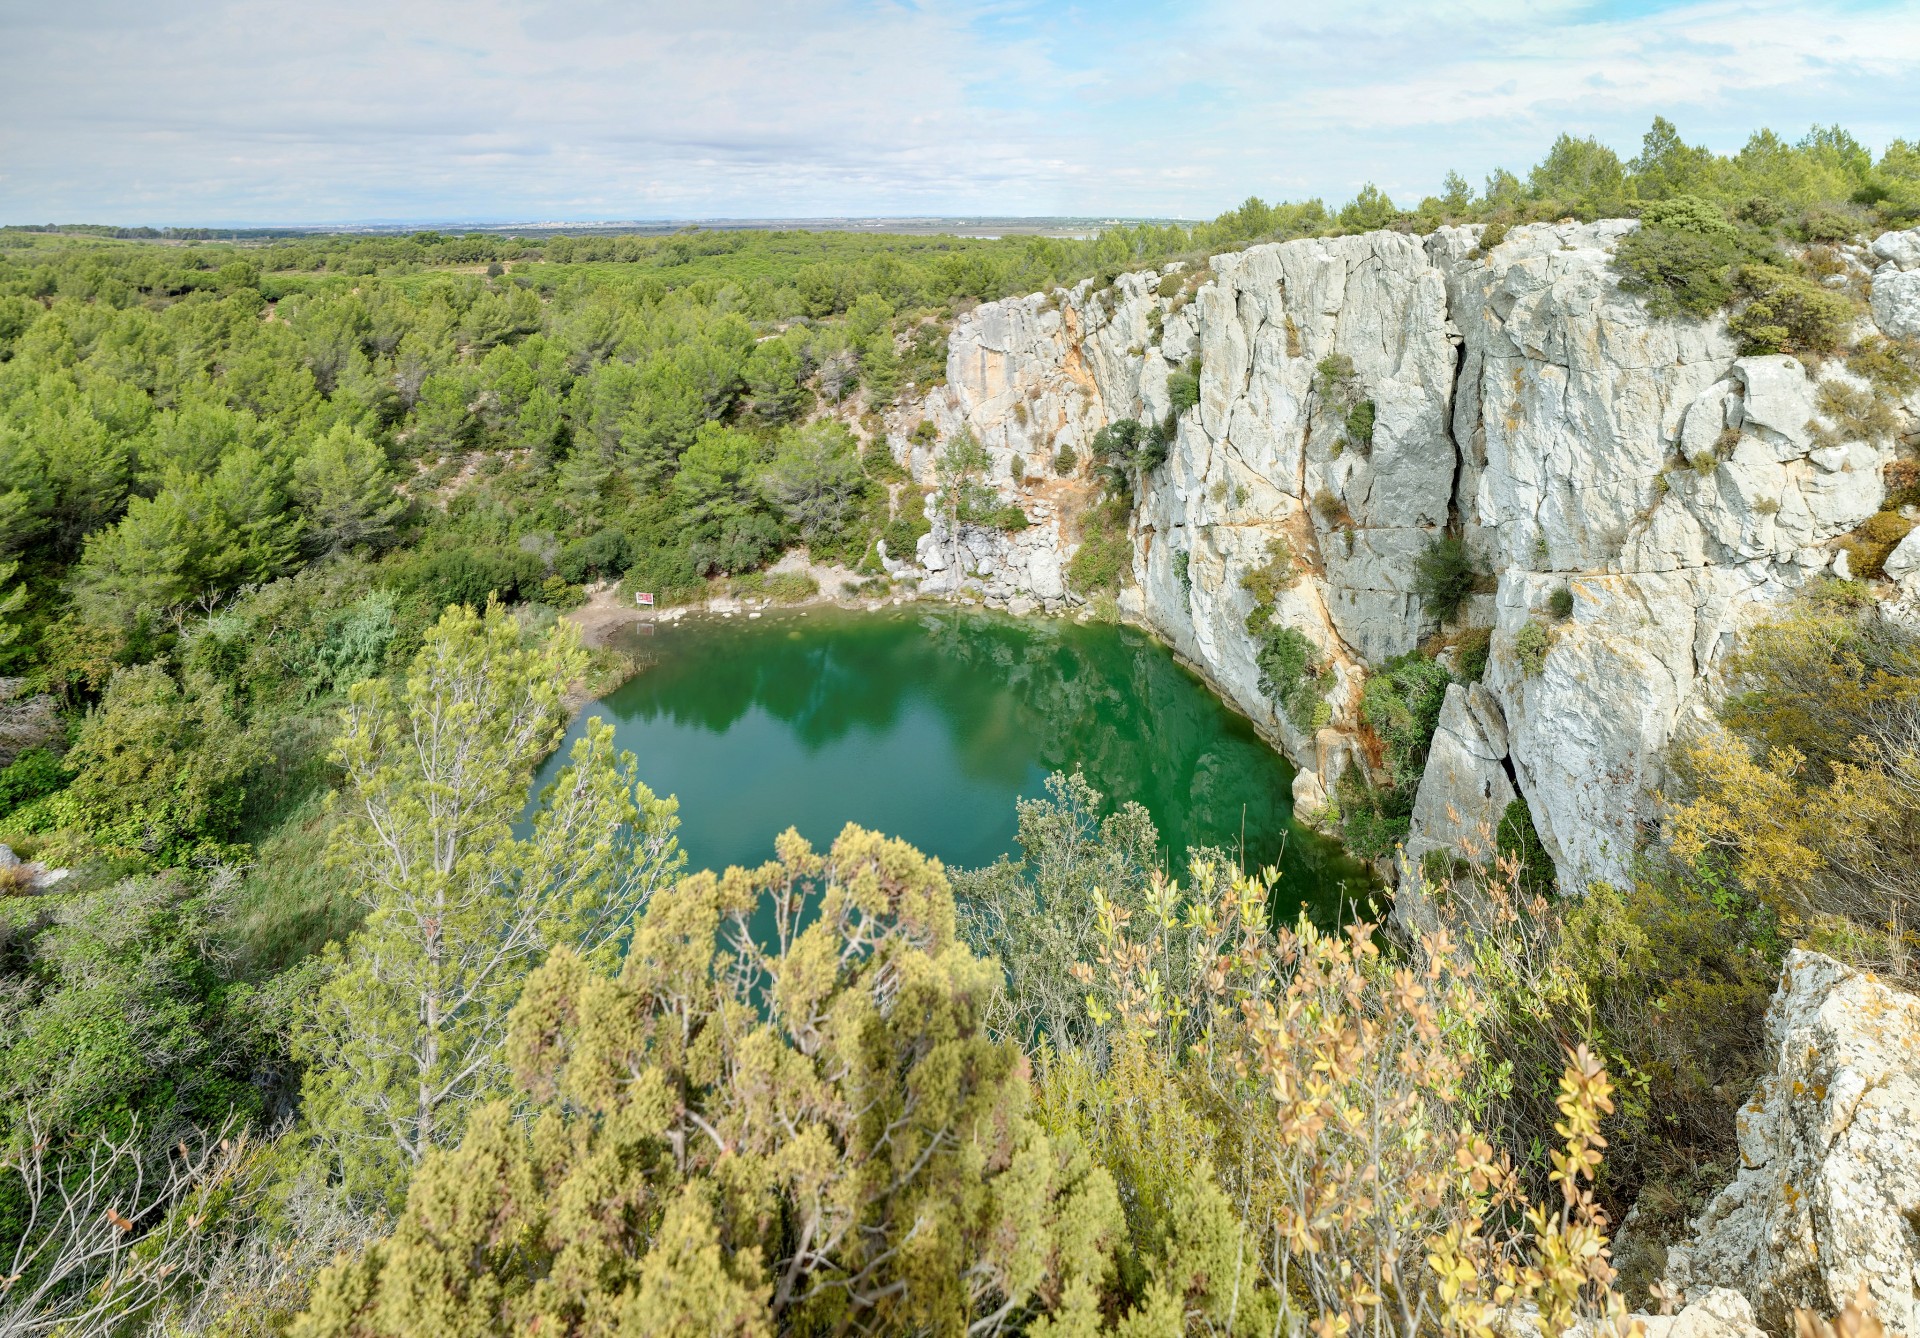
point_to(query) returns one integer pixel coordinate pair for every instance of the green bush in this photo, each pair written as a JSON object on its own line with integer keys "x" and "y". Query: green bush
{"x": 607, "y": 552}
{"x": 1183, "y": 387}
{"x": 1869, "y": 546}
{"x": 1105, "y": 554}
{"x": 1444, "y": 575}
{"x": 35, "y": 773}
{"x": 1682, "y": 257}
{"x": 1472, "y": 648}
{"x": 1292, "y": 674}
{"x": 782, "y": 587}
{"x": 1788, "y": 313}
{"x": 1530, "y": 645}
{"x": 1893, "y": 365}
{"x": 1681, "y": 273}
{"x": 1560, "y": 603}
{"x": 1401, "y": 704}
{"x": 1065, "y": 462}
{"x": 1266, "y": 581}
{"x": 1010, "y": 518}
{"x": 471, "y": 575}
{"x": 1360, "y": 424}
{"x": 902, "y": 533}
{"x": 1518, "y": 839}
{"x": 1374, "y": 820}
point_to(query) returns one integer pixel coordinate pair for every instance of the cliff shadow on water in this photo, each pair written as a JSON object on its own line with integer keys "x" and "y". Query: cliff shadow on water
{"x": 930, "y": 723}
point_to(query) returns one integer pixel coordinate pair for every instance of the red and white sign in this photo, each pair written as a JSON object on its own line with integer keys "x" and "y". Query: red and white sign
{"x": 644, "y": 598}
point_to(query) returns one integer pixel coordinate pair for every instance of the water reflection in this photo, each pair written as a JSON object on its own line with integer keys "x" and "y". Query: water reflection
{"x": 928, "y": 723}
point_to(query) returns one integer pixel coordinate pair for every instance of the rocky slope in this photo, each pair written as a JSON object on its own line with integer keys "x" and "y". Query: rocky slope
{"x": 1827, "y": 1197}
{"x": 1521, "y": 399}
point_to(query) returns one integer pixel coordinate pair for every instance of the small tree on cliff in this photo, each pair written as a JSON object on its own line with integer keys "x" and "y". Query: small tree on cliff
{"x": 405, "y": 1036}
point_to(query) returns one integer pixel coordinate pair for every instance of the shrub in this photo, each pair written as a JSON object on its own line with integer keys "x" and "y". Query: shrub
{"x": 1360, "y": 424}
{"x": 1009, "y": 518}
{"x": 1183, "y": 387}
{"x": 902, "y": 533}
{"x": 1472, "y": 648}
{"x": 1105, "y": 554}
{"x": 159, "y": 768}
{"x": 1868, "y": 546}
{"x": 1401, "y": 704}
{"x": 470, "y": 576}
{"x": 797, "y": 1086}
{"x": 35, "y": 773}
{"x": 1903, "y": 483}
{"x": 1182, "y": 562}
{"x": 1530, "y": 645}
{"x": 1288, "y": 1068}
{"x": 1704, "y": 463}
{"x": 1517, "y": 839}
{"x": 1330, "y": 508}
{"x": 741, "y": 543}
{"x": 1332, "y": 374}
{"x": 1374, "y": 819}
{"x": 1266, "y": 581}
{"x": 607, "y": 553}
{"x": 1292, "y": 674}
{"x": 1786, "y": 313}
{"x": 790, "y": 587}
{"x": 1065, "y": 462}
{"x": 1853, "y": 414}
{"x": 1443, "y": 576}
{"x": 1560, "y": 603}
{"x": 1682, "y": 257}
{"x": 1891, "y": 364}
{"x": 1805, "y": 799}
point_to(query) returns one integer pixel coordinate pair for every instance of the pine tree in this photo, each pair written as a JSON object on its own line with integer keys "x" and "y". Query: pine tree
{"x": 405, "y": 1037}
{"x": 342, "y": 485}
{"x": 782, "y": 1115}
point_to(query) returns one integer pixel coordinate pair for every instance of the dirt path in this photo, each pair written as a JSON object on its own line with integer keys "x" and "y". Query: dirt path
{"x": 604, "y": 613}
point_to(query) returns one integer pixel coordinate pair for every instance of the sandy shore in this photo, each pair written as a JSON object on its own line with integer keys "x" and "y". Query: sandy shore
{"x": 607, "y": 611}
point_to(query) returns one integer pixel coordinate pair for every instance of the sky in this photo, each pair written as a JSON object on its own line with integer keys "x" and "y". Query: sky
{"x": 233, "y": 112}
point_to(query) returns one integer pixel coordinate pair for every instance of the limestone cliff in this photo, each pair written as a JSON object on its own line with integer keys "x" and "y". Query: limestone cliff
{"x": 1520, "y": 399}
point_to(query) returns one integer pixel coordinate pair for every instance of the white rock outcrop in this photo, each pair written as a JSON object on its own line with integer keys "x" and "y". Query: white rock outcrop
{"x": 1827, "y": 1196}
{"x": 1902, "y": 565}
{"x": 1520, "y": 399}
{"x": 1896, "y": 283}
{"x": 1465, "y": 789}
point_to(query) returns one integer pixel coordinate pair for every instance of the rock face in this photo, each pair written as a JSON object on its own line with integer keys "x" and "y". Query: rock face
{"x": 1519, "y": 399}
{"x": 1466, "y": 788}
{"x": 1828, "y": 1192}
{"x": 1896, "y": 283}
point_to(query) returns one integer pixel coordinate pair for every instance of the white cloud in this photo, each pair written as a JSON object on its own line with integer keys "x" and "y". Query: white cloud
{"x": 247, "y": 109}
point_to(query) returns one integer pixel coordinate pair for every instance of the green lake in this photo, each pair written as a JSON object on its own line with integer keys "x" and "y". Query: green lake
{"x": 928, "y": 722}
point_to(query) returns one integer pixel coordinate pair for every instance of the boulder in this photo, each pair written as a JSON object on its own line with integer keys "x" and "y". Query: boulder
{"x": 1717, "y": 1314}
{"x": 1903, "y": 563}
{"x": 1899, "y": 249}
{"x": 1827, "y": 1196}
{"x": 1309, "y": 795}
{"x": 18, "y": 875}
{"x": 1896, "y": 284}
{"x": 1465, "y": 789}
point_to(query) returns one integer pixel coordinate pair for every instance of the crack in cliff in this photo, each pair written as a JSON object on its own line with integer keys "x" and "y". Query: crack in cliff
{"x": 1454, "y": 524}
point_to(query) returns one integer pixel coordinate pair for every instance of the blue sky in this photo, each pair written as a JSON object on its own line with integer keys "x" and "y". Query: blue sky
{"x": 238, "y": 111}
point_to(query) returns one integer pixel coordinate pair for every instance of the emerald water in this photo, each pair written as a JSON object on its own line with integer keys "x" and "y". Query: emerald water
{"x": 927, "y": 723}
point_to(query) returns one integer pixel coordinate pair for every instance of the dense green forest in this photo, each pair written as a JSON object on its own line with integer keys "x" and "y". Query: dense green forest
{"x": 286, "y": 526}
